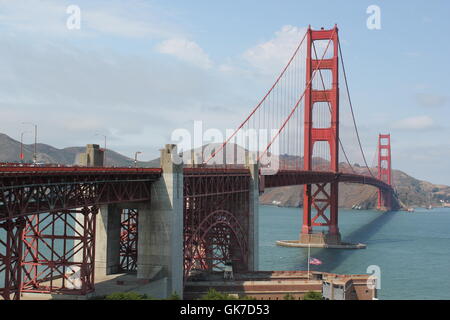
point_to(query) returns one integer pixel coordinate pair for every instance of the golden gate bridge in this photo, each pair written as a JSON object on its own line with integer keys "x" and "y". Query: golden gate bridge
{"x": 177, "y": 219}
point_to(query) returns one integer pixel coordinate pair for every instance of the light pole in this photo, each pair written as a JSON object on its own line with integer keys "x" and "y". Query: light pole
{"x": 135, "y": 158}
{"x": 35, "y": 140}
{"x": 21, "y": 145}
{"x": 104, "y": 149}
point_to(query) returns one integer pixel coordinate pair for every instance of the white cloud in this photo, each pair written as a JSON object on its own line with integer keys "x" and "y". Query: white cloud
{"x": 414, "y": 123}
{"x": 270, "y": 56}
{"x": 431, "y": 100}
{"x": 133, "y": 19}
{"x": 185, "y": 50}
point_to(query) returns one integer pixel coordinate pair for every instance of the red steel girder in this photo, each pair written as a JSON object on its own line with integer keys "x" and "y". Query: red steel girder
{"x": 59, "y": 252}
{"x": 128, "y": 239}
{"x": 24, "y": 195}
{"x": 216, "y": 209}
{"x": 10, "y": 258}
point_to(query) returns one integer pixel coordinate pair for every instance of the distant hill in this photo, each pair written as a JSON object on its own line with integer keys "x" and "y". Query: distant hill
{"x": 10, "y": 151}
{"x": 411, "y": 191}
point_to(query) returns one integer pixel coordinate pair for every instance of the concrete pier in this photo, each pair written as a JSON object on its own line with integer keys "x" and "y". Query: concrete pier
{"x": 107, "y": 240}
{"x": 93, "y": 157}
{"x": 160, "y": 230}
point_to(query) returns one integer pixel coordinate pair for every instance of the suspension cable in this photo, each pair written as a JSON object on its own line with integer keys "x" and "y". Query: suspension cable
{"x": 351, "y": 108}
{"x": 329, "y": 107}
{"x": 261, "y": 102}
{"x": 298, "y": 101}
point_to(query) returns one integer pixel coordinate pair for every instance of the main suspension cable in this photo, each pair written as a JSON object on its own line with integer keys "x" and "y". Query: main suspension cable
{"x": 329, "y": 108}
{"x": 261, "y": 102}
{"x": 351, "y": 108}
{"x": 298, "y": 101}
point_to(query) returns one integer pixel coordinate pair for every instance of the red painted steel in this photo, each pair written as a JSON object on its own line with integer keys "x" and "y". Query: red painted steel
{"x": 43, "y": 191}
{"x": 10, "y": 258}
{"x": 59, "y": 252}
{"x": 50, "y": 195}
{"x": 216, "y": 213}
{"x": 384, "y": 169}
{"x": 299, "y": 177}
{"x": 10, "y": 169}
{"x": 320, "y": 196}
{"x": 128, "y": 239}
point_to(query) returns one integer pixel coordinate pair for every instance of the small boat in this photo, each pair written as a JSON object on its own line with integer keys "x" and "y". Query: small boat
{"x": 410, "y": 210}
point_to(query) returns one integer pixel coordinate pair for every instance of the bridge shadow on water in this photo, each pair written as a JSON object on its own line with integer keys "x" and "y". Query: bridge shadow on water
{"x": 332, "y": 258}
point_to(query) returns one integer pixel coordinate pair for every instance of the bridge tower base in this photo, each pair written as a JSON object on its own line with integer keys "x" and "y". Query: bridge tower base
{"x": 160, "y": 228}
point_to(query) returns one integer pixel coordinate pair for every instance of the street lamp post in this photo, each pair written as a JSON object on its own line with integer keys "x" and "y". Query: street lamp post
{"x": 35, "y": 140}
{"x": 135, "y": 158}
{"x": 21, "y": 146}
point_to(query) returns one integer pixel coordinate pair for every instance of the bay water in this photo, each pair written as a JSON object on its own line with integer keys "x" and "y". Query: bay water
{"x": 411, "y": 249}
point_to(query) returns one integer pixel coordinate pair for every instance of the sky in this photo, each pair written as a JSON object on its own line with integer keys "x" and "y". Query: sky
{"x": 137, "y": 70}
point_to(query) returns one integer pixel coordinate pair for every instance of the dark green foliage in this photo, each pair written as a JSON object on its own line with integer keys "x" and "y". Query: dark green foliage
{"x": 213, "y": 294}
{"x": 288, "y": 296}
{"x": 311, "y": 295}
{"x": 127, "y": 296}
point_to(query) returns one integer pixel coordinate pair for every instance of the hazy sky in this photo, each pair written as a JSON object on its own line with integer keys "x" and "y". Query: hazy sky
{"x": 137, "y": 70}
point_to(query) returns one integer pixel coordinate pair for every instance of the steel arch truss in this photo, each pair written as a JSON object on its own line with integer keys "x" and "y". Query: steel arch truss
{"x": 59, "y": 252}
{"x": 216, "y": 219}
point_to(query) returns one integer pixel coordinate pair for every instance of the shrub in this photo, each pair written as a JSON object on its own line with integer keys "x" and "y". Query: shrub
{"x": 312, "y": 295}
{"x": 213, "y": 294}
{"x": 127, "y": 296}
{"x": 174, "y": 296}
{"x": 288, "y": 296}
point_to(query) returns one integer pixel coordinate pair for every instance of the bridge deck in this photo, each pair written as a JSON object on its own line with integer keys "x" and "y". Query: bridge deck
{"x": 34, "y": 189}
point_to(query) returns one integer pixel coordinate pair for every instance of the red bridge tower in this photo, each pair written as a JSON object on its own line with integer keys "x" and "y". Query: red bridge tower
{"x": 384, "y": 170}
{"x": 323, "y": 197}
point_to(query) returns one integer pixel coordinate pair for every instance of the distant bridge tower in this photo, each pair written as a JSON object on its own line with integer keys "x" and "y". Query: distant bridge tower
{"x": 384, "y": 170}
{"x": 323, "y": 197}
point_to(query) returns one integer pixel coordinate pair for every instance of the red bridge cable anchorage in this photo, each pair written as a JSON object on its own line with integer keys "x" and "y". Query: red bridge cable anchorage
{"x": 329, "y": 108}
{"x": 299, "y": 100}
{"x": 261, "y": 102}
{"x": 351, "y": 108}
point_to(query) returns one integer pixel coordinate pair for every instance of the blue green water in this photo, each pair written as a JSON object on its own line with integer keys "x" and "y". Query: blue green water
{"x": 411, "y": 249}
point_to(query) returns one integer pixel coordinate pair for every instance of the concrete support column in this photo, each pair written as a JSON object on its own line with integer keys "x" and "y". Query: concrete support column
{"x": 107, "y": 240}
{"x": 253, "y": 219}
{"x": 160, "y": 240}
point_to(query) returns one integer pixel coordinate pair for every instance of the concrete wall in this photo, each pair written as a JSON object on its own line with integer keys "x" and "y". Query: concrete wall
{"x": 107, "y": 240}
{"x": 160, "y": 233}
{"x": 93, "y": 157}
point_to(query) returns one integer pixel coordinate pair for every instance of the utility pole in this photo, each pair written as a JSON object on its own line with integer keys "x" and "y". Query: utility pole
{"x": 135, "y": 158}
{"x": 21, "y": 146}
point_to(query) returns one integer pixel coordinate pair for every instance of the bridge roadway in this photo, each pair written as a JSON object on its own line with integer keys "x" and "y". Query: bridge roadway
{"x": 30, "y": 190}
